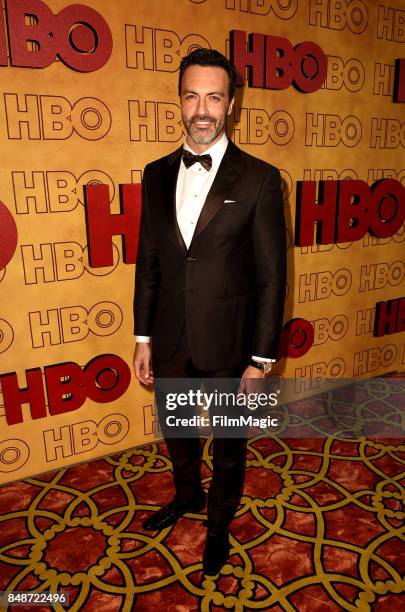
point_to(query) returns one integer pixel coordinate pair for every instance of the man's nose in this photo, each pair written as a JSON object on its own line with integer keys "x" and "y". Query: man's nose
{"x": 202, "y": 106}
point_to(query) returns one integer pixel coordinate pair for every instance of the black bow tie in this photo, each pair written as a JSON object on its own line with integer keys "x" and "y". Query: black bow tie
{"x": 190, "y": 159}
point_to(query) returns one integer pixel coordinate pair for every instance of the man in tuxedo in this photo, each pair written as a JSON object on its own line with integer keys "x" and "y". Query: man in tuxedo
{"x": 210, "y": 282}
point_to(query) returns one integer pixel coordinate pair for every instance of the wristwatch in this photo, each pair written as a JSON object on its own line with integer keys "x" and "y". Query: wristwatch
{"x": 263, "y": 366}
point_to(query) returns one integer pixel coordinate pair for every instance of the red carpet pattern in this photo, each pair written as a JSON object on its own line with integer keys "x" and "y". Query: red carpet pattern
{"x": 320, "y": 527}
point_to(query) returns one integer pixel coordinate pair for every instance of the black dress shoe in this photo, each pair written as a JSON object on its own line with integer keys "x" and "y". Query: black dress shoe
{"x": 216, "y": 550}
{"x": 168, "y": 515}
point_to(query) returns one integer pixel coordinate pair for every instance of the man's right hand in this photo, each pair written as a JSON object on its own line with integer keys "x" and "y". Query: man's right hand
{"x": 142, "y": 363}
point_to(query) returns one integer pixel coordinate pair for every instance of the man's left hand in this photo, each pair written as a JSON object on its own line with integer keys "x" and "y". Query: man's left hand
{"x": 248, "y": 382}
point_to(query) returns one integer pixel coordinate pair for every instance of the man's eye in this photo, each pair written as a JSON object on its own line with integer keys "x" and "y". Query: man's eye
{"x": 215, "y": 98}
{"x": 190, "y": 96}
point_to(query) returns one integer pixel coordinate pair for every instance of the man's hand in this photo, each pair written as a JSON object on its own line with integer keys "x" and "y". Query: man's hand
{"x": 142, "y": 363}
{"x": 248, "y": 382}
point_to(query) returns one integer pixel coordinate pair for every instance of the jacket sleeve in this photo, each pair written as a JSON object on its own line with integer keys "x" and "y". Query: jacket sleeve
{"x": 147, "y": 271}
{"x": 269, "y": 238}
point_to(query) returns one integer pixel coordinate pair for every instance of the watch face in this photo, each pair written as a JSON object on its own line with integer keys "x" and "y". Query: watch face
{"x": 267, "y": 367}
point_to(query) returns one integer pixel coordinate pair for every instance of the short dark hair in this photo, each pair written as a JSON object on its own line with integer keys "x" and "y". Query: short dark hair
{"x": 209, "y": 57}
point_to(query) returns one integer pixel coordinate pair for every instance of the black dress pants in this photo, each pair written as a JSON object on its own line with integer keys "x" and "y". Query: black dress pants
{"x": 229, "y": 453}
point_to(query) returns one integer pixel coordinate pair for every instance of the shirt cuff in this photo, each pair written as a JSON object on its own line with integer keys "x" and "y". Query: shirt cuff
{"x": 142, "y": 339}
{"x": 263, "y": 359}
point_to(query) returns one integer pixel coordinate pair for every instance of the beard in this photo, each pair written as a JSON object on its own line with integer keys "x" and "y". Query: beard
{"x": 206, "y": 135}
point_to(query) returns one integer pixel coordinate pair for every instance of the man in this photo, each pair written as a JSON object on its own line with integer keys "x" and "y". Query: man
{"x": 210, "y": 281}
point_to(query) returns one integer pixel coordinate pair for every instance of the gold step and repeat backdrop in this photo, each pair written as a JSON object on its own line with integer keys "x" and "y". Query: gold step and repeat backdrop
{"x": 89, "y": 95}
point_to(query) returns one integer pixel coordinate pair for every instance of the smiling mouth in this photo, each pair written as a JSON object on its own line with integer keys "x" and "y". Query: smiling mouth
{"x": 202, "y": 124}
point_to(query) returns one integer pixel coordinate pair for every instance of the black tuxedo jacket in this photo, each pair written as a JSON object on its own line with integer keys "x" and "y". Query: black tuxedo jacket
{"x": 229, "y": 286}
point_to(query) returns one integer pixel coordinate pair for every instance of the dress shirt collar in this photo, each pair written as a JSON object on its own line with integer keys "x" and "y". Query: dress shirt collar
{"x": 216, "y": 151}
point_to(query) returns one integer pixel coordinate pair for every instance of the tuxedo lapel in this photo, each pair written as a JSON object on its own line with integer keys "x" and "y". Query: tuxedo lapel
{"x": 228, "y": 173}
{"x": 169, "y": 195}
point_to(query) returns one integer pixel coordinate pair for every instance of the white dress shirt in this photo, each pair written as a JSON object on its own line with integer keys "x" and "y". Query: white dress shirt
{"x": 193, "y": 185}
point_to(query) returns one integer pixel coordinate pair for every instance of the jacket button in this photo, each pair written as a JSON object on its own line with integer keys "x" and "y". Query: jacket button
{"x": 191, "y": 259}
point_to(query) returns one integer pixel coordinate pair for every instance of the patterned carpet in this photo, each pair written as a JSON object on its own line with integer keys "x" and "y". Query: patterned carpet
{"x": 320, "y": 528}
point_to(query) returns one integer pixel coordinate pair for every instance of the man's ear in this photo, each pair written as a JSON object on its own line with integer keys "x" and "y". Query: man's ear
{"x": 230, "y": 107}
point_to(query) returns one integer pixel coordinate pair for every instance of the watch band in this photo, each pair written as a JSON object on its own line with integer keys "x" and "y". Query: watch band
{"x": 264, "y": 367}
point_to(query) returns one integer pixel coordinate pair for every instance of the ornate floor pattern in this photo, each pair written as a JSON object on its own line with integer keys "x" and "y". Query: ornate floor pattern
{"x": 320, "y": 528}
